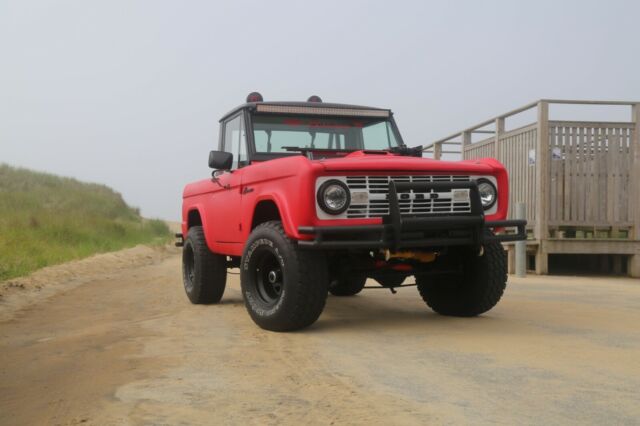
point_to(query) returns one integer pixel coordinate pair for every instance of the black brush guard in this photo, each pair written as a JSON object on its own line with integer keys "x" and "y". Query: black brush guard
{"x": 400, "y": 232}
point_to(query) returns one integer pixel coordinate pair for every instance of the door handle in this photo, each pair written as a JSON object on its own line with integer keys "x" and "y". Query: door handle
{"x": 246, "y": 190}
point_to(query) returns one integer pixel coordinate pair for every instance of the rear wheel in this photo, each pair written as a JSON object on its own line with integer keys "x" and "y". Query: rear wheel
{"x": 204, "y": 273}
{"x": 347, "y": 285}
{"x": 477, "y": 287}
{"x": 284, "y": 288}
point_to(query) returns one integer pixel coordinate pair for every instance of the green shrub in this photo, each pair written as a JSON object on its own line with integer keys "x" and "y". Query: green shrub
{"x": 47, "y": 219}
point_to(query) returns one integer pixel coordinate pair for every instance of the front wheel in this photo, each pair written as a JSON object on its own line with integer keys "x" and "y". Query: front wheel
{"x": 476, "y": 288}
{"x": 284, "y": 288}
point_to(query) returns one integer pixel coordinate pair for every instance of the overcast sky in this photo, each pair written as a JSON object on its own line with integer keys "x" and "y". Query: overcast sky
{"x": 129, "y": 93}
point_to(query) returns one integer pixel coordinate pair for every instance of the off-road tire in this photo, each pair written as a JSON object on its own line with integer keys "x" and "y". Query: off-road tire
{"x": 296, "y": 297}
{"x": 475, "y": 291}
{"x": 347, "y": 285}
{"x": 204, "y": 273}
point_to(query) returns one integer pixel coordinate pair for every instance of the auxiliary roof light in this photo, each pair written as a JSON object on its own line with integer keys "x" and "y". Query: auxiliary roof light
{"x": 314, "y": 98}
{"x": 254, "y": 97}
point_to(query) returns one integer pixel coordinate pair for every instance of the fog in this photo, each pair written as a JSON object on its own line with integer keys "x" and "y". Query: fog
{"x": 129, "y": 93}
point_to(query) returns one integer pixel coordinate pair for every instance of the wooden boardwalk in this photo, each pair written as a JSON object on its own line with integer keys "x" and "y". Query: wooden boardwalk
{"x": 580, "y": 180}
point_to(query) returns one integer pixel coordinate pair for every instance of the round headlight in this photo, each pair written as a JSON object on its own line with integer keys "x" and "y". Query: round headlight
{"x": 334, "y": 197}
{"x": 488, "y": 193}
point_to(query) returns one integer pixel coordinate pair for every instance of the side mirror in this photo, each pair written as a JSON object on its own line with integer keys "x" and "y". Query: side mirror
{"x": 220, "y": 160}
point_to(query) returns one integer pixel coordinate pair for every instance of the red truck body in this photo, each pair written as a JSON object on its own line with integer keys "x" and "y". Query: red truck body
{"x": 308, "y": 199}
{"x": 227, "y": 212}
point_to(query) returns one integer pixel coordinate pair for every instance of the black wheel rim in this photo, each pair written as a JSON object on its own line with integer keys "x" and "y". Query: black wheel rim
{"x": 269, "y": 277}
{"x": 189, "y": 265}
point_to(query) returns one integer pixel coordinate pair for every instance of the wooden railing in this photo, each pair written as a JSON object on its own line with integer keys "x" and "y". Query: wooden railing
{"x": 569, "y": 173}
{"x": 589, "y": 174}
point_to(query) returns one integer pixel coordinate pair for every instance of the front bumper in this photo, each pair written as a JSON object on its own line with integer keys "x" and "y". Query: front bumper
{"x": 400, "y": 232}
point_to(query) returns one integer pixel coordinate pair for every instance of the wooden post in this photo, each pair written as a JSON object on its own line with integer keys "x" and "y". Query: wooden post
{"x": 437, "y": 151}
{"x": 466, "y": 140}
{"x": 521, "y": 246}
{"x": 617, "y": 264}
{"x": 499, "y": 131}
{"x": 511, "y": 259}
{"x": 634, "y": 193}
{"x": 542, "y": 186}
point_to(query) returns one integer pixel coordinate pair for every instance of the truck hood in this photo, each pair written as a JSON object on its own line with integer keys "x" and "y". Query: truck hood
{"x": 361, "y": 160}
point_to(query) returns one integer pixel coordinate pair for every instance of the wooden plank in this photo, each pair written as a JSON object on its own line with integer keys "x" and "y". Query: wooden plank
{"x": 588, "y": 171}
{"x": 594, "y": 188}
{"x": 573, "y": 172}
{"x": 519, "y": 153}
{"x": 568, "y": 163}
{"x": 499, "y": 125}
{"x": 466, "y": 141}
{"x": 551, "y": 202}
{"x": 603, "y": 174}
{"x": 599, "y": 246}
{"x": 603, "y": 124}
{"x": 585, "y": 224}
{"x": 634, "y": 190}
{"x": 542, "y": 174}
{"x": 559, "y": 175}
{"x": 591, "y": 183}
{"x": 532, "y": 140}
{"x": 613, "y": 168}
{"x": 586, "y": 102}
{"x": 580, "y": 177}
{"x": 553, "y": 173}
{"x": 594, "y": 177}
{"x": 625, "y": 192}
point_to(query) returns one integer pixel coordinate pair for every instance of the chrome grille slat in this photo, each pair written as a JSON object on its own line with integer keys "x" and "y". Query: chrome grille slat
{"x": 378, "y": 186}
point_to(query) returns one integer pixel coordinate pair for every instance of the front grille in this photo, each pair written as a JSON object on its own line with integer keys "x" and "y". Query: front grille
{"x": 377, "y": 188}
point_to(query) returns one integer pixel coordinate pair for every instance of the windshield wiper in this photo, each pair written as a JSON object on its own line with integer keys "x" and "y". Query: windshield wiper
{"x": 399, "y": 150}
{"x": 309, "y": 149}
{"x": 308, "y": 152}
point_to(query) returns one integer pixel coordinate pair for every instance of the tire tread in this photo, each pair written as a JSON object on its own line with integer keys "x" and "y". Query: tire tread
{"x": 485, "y": 289}
{"x": 211, "y": 268}
{"x": 310, "y": 296}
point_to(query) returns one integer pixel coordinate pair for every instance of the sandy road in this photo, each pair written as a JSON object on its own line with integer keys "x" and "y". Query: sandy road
{"x": 126, "y": 347}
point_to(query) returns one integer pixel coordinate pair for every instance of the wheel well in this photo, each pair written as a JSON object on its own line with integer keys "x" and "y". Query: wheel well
{"x": 265, "y": 211}
{"x": 194, "y": 219}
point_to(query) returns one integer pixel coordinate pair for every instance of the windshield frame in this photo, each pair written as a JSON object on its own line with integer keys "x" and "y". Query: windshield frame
{"x": 254, "y": 155}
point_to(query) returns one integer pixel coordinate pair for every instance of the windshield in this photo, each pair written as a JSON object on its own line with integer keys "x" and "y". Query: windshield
{"x": 272, "y": 134}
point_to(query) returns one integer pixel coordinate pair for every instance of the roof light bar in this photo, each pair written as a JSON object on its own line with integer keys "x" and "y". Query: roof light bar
{"x": 350, "y": 112}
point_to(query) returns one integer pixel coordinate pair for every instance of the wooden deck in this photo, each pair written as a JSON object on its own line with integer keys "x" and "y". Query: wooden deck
{"x": 580, "y": 180}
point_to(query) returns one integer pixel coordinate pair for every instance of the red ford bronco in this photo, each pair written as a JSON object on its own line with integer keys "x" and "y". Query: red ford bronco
{"x": 310, "y": 198}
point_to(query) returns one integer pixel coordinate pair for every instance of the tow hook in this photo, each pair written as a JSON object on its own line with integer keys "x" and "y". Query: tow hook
{"x": 481, "y": 251}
